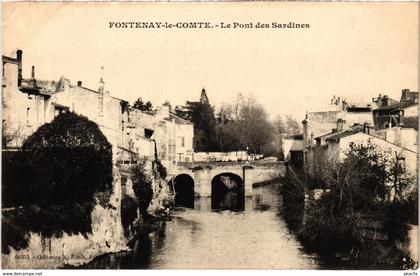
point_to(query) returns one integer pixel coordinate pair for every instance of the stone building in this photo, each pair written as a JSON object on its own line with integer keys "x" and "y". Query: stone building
{"x": 332, "y": 147}
{"x": 338, "y": 115}
{"x": 170, "y": 135}
{"x": 293, "y": 149}
{"x": 325, "y": 132}
{"x": 26, "y": 103}
{"x": 30, "y": 103}
{"x": 403, "y": 113}
{"x": 346, "y": 114}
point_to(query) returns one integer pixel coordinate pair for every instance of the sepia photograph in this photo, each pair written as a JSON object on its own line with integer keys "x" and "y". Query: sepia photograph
{"x": 210, "y": 136}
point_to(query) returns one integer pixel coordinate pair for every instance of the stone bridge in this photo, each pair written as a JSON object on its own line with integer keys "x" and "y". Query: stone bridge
{"x": 203, "y": 173}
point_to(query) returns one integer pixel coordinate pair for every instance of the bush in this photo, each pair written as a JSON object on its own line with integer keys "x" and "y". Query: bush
{"x": 68, "y": 160}
{"x": 55, "y": 177}
{"x": 47, "y": 221}
{"x": 357, "y": 190}
{"x": 129, "y": 208}
{"x": 15, "y": 177}
{"x": 160, "y": 169}
{"x": 142, "y": 186}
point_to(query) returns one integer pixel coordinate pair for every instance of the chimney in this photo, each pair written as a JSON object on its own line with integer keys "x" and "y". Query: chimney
{"x": 404, "y": 94}
{"x": 19, "y": 59}
{"x": 33, "y": 72}
{"x": 340, "y": 124}
{"x": 79, "y": 83}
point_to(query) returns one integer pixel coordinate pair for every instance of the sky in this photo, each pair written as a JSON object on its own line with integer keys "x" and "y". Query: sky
{"x": 355, "y": 50}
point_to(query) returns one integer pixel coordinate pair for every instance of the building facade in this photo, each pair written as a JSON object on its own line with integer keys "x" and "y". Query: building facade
{"x": 30, "y": 103}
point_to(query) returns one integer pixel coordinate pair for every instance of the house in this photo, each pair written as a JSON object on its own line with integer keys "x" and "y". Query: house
{"x": 332, "y": 148}
{"x": 348, "y": 114}
{"x": 26, "y": 105}
{"x": 293, "y": 149}
{"x": 403, "y": 113}
{"x": 382, "y": 100}
{"x": 170, "y": 135}
{"x": 30, "y": 103}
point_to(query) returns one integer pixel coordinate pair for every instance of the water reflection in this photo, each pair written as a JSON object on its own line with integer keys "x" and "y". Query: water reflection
{"x": 227, "y": 192}
{"x": 201, "y": 238}
{"x": 183, "y": 185}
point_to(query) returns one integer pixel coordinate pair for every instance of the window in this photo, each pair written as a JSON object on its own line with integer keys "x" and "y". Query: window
{"x": 182, "y": 141}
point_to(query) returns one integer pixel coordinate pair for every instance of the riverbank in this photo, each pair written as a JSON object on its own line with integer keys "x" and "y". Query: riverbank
{"x": 365, "y": 242}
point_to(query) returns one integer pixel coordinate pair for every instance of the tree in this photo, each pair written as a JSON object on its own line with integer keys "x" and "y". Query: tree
{"x": 254, "y": 128}
{"x": 357, "y": 188}
{"x": 201, "y": 114}
{"x": 279, "y": 125}
{"x": 280, "y": 128}
{"x": 68, "y": 161}
{"x": 292, "y": 126}
{"x": 142, "y": 185}
{"x": 140, "y": 105}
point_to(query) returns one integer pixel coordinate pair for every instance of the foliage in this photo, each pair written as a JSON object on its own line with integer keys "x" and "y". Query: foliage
{"x": 201, "y": 114}
{"x": 129, "y": 208}
{"x": 140, "y": 105}
{"x": 357, "y": 195}
{"x": 15, "y": 177}
{"x": 245, "y": 125}
{"x": 47, "y": 221}
{"x": 227, "y": 136}
{"x": 161, "y": 170}
{"x": 255, "y": 128}
{"x": 357, "y": 187}
{"x": 293, "y": 192}
{"x": 142, "y": 186}
{"x": 67, "y": 160}
{"x": 292, "y": 126}
{"x": 55, "y": 177}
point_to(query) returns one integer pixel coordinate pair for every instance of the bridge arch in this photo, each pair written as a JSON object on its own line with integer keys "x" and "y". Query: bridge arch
{"x": 227, "y": 192}
{"x": 183, "y": 188}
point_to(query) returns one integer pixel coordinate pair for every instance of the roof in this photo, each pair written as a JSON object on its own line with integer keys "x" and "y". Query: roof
{"x": 400, "y": 105}
{"x": 95, "y": 91}
{"x": 9, "y": 59}
{"x": 178, "y": 120}
{"x": 338, "y": 135}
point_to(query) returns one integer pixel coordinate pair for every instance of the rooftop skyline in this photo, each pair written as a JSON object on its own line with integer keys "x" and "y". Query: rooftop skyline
{"x": 354, "y": 50}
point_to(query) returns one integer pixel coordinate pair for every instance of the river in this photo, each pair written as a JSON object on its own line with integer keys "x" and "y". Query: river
{"x": 200, "y": 238}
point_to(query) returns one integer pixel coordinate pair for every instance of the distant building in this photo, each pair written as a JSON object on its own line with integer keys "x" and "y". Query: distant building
{"x": 293, "y": 149}
{"x": 339, "y": 115}
{"x": 403, "y": 113}
{"x": 331, "y": 148}
{"x": 382, "y": 100}
{"x": 171, "y": 135}
{"x": 339, "y": 112}
{"x": 385, "y": 121}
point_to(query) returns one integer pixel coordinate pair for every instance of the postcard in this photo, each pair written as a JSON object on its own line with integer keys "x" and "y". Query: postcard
{"x": 210, "y": 135}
